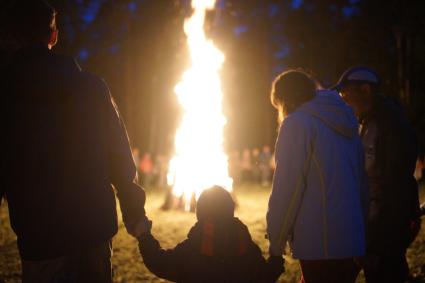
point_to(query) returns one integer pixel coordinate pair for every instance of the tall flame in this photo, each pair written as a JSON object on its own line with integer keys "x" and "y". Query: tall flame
{"x": 200, "y": 161}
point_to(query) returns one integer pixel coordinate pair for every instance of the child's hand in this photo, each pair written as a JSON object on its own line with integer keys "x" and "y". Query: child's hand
{"x": 137, "y": 229}
{"x": 275, "y": 268}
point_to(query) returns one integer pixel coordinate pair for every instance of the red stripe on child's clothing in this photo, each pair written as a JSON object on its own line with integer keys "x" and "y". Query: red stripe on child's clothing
{"x": 242, "y": 243}
{"x": 207, "y": 244}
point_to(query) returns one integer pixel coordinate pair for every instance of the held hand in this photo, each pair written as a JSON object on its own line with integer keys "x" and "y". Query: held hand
{"x": 138, "y": 228}
{"x": 275, "y": 268}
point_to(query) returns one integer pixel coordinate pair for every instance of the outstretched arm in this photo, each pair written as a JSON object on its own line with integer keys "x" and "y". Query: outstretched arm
{"x": 122, "y": 170}
{"x": 166, "y": 264}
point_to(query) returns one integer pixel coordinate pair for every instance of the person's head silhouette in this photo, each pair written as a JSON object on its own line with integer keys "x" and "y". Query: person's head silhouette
{"x": 33, "y": 23}
{"x": 215, "y": 204}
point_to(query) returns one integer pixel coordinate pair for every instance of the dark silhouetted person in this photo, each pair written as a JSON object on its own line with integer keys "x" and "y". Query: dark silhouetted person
{"x": 319, "y": 198}
{"x": 265, "y": 165}
{"x": 136, "y": 155}
{"x": 161, "y": 168}
{"x": 256, "y": 170}
{"x": 218, "y": 248}
{"x": 391, "y": 152}
{"x": 235, "y": 167}
{"x": 420, "y": 166}
{"x": 246, "y": 166}
{"x": 146, "y": 167}
{"x": 63, "y": 126}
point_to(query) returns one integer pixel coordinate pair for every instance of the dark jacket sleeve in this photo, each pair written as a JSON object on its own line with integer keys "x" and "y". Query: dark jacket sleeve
{"x": 262, "y": 271}
{"x": 166, "y": 264}
{"x": 121, "y": 167}
{"x": 396, "y": 157}
{"x": 399, "y": 150}
{"x": 363, "y": 181}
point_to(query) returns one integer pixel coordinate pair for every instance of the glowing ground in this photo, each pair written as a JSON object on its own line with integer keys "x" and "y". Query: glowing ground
{"x": 170, "y": 227}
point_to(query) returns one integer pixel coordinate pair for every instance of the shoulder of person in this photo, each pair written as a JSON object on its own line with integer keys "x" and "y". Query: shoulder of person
{"x": 390, "y": 114}
{"x": 86, "y": 80}
{"x": 297, "y": 121}
{"x": 389, "y": 108}
{"x": 66, "y": 62}
{"x": 94, "y": 85}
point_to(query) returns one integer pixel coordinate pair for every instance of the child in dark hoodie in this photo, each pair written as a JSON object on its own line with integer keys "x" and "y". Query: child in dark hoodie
{"x": 218, "y": 248}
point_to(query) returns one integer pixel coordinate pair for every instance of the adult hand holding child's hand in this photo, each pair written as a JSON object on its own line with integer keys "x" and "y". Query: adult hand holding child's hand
{"x": 139, "y": 228}
{"x": 275, "y": 268}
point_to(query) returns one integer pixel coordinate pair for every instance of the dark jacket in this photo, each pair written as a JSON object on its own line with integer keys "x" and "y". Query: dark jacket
{"x": 65, "y": 148}
{"x": 391, "y": 151}
{"x": 211, "y": 253}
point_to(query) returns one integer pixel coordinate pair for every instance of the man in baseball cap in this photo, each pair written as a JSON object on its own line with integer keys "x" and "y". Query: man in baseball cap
{"x": 357, "y": 75}
{"x": 355, "y": 84}
{"x": 391, "y": 151}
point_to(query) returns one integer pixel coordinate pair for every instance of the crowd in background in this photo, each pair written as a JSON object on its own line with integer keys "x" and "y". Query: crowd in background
{"x": 253, "y": 166}
{"x": 152, "y": 171}
{"x": 249, "y": 166}
{"x": 420, "y": 167}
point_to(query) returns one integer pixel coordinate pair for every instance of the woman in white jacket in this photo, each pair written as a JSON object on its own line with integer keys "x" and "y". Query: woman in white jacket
{"x": 319, "y": 191}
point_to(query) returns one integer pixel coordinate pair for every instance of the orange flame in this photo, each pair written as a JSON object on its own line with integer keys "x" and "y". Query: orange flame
{"x": 200, "y": 161}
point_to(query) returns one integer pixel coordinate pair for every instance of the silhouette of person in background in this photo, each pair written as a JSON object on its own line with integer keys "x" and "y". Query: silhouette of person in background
{"x": 256, "y": 170}
{"x": 246, "y": 166}
{"x": 146, "y": 169}
{"x": 235, "y": 167}
{"x": 136, "y": 155}
{"x": 265, "y": 165}
{"x": 419, "y": 168}
{"x": 64, "y": 211}
{"x": 161, "y": 170}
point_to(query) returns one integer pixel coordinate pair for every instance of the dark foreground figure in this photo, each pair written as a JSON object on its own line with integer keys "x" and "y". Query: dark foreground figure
{"x": 218, "y": 248}
{"x": 391, "y": 152}
{"x": 64, "y": 149}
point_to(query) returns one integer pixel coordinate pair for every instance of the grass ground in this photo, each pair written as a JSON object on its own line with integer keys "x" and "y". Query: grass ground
{"x": 171, "y": 227}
